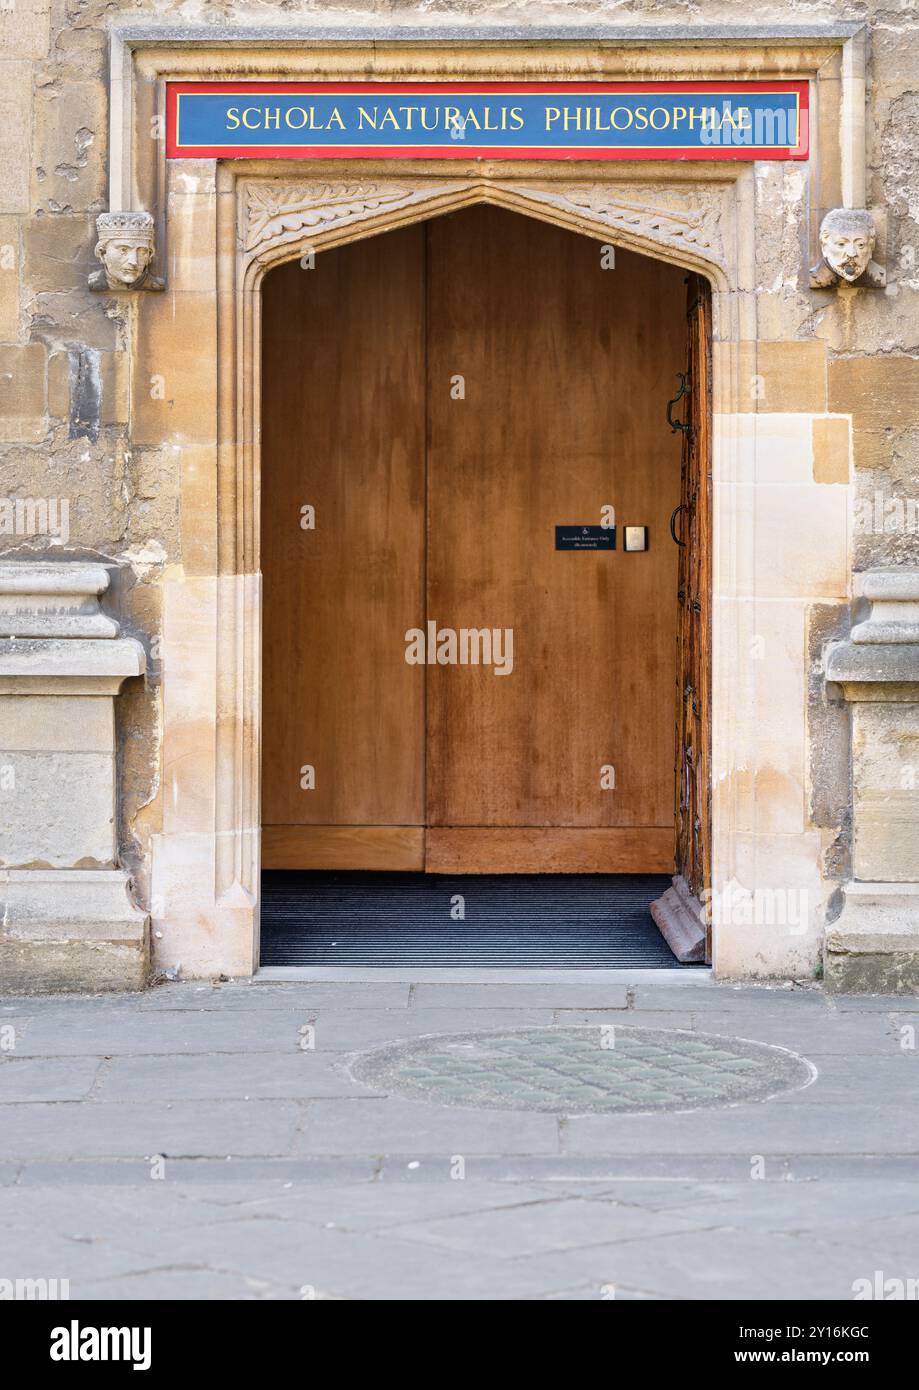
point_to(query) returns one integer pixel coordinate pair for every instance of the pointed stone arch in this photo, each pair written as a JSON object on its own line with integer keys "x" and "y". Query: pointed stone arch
{"x": 273, "y": 217}
{"x": 690, "y": 223}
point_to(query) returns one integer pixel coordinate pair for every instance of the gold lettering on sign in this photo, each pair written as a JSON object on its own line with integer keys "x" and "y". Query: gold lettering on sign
{"x": 613, "y": 115}
{"x": 401, "y": 118}
{"x": 293, "y": 118}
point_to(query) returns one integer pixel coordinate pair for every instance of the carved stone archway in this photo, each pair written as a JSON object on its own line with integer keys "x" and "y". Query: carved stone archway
{"x": 691, "y": 223}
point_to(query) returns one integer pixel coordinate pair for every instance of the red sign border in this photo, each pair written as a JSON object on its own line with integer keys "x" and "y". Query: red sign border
{"x": 480, "y": 152}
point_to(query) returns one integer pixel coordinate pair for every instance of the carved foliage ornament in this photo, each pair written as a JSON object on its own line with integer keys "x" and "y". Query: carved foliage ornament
{"x": 276, "y": 213}
{"x": 125, "y": 247}
{"x": 282, "y": 211}
{"x": 847, "y": 239}
{"x": 684, "y": 225}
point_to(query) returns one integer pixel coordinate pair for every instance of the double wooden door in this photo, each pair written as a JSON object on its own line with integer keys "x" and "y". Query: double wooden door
{"x": 436, "y": 401}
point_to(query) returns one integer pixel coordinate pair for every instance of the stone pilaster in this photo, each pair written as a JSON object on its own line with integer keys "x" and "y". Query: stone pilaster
{"x": 66, "y": 916}
{"x": 874, "y": 944}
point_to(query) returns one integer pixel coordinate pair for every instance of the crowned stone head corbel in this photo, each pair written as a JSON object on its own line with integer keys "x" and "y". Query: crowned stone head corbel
{"x": 125, "y": 247}
{"x": 847, "y": 239}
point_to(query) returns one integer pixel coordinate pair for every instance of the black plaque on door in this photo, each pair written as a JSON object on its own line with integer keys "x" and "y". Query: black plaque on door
{"x": 585, "y": 538}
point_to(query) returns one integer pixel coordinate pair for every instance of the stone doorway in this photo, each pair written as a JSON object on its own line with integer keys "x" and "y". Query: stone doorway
{"x": 227, "y": 223}
{"x": 278, "y": 220}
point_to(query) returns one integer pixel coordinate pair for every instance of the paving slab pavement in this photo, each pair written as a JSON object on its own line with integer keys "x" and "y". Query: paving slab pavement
{"x": 203, "y": 1141}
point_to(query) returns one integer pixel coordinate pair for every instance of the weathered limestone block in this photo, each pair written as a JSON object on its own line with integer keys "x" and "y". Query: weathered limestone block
{"x": 24, "y": 28}
{"x": 15, "y": 109}
{"x": 879, "y": 392}
{"x": 885, "y": 776}
{"x": 23, "y": 407}
{"x": 831, "y": 449}
{"x": 10, "y": 267}
{"x": 69, "y": 126}
{"x": 57, "y": 252}
{"x": 66, "y": 917}
{"x": 70, "y": 929}
{"x": 786, "y": 377}
{"x": 874, "y": 944}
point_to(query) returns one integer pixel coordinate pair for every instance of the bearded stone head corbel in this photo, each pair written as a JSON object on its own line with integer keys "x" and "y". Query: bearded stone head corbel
{"x": 125, "y": 248}
{"x": 847, "y": 239}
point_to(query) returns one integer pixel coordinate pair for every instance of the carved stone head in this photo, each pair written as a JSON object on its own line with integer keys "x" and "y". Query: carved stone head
{"x": 125, "y": 248}
{"x": 847, "y": 238}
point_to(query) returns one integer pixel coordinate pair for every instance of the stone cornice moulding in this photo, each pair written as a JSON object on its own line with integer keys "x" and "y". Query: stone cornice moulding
{"x": 129, "y": 36}
{"x": 893, "y": 599}
{"x": 84, "y": 667}
{"x": 54, "y": 637}
{"x": 53, "y": 598}
{"x": 153, "y": 52}
{"x": 880, "y": 661}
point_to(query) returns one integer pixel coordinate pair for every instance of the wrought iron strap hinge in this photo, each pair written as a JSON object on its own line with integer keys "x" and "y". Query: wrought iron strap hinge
{"x": 685, "y": 390}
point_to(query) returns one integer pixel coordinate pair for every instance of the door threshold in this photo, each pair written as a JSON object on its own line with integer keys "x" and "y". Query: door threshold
{"x": 445, "y": 975}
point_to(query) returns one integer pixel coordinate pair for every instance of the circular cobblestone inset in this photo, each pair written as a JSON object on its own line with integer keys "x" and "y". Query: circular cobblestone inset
{"x": 602, "y": 1069}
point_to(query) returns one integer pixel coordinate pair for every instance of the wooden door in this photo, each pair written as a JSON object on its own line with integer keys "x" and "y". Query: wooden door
{"x": 693, "y": 527}
{"x": 444, "y": 396}
{"x": 343, "y": 432}
{"x": 548, "y": 377}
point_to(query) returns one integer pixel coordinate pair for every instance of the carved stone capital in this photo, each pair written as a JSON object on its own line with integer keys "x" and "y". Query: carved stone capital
{"x": 880, "y": 661}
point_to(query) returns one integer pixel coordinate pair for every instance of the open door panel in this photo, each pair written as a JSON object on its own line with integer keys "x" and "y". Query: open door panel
{"x": 679, "y": 913}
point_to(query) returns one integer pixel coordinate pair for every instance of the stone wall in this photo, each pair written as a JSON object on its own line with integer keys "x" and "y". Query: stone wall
{"x": 88, "y": 485}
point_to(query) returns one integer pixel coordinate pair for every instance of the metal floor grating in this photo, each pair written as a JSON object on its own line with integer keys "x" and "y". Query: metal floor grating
{"x": 531, "y": 921}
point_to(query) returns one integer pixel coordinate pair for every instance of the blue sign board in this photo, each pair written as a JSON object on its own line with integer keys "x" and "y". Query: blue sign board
{"x": 536, "y": 120}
